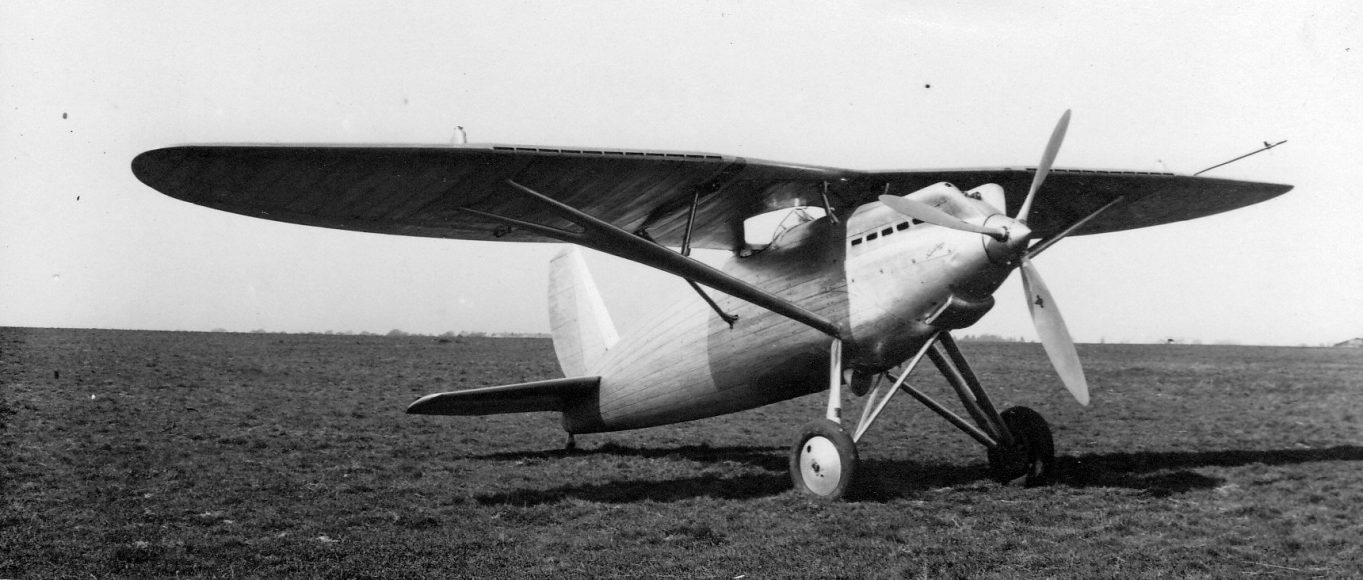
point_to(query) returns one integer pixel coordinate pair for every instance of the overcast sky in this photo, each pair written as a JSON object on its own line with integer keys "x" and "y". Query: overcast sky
{"x": 868, "y": 85}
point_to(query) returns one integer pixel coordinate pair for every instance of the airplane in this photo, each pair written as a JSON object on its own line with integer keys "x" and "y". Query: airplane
{"x": 868, "y": 273}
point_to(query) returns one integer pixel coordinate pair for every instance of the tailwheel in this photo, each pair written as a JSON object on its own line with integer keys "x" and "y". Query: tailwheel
{"x": 1031, "y": 457}
{"x": 823, "y": 460}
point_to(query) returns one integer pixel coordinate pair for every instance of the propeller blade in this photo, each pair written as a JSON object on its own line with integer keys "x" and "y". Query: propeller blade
{"x": 1047, "y": 158}
{"x": 1050, "y": 326}
{"x": 926, "y": 213}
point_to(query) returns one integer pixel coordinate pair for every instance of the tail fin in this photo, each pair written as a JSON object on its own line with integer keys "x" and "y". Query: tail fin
{"x": 582, "y": 328}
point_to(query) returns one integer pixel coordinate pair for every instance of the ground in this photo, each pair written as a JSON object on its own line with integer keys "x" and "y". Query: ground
{"x": 146, "y": 454}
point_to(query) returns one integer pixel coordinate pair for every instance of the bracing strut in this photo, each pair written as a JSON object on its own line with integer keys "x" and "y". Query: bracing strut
{"x": 988, "y": 429}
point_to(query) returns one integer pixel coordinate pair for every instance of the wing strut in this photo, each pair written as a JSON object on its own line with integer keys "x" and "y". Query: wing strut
{"x": 828, "y": 207}
{"x": 690, "y": 223}
{"x": 1050, "y": 241}
{"x": 729, "y": 319}
{"x": 605, "y": 237}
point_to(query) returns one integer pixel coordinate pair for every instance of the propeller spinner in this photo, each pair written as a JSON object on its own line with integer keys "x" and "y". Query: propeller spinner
{"x": 1015, "y": 234}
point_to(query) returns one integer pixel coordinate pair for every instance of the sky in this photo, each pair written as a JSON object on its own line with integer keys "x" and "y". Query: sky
{"x": 862, "y": 85}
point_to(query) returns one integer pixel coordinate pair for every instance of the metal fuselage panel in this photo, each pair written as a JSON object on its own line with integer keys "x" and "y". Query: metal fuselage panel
{"x": 686, "y": 363}
{"x": 906, "y": 281}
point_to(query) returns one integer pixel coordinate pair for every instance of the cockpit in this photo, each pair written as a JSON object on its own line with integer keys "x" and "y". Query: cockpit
{"x": 764, "y": 229}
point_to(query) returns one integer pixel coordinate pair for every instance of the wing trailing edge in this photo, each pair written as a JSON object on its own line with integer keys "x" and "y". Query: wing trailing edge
{"x": 550, "y": 395}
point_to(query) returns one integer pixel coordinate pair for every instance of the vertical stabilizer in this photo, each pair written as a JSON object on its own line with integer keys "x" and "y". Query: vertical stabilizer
{"x": 582, "y": 328}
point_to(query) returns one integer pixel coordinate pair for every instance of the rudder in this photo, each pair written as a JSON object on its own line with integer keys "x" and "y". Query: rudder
{"x": 581, "y": 326}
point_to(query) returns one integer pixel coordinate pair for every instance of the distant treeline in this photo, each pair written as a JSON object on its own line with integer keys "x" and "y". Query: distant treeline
{"x": 400, "y": 332}
{"x": 991, "y": 338}
{"x": 985, "y": 337}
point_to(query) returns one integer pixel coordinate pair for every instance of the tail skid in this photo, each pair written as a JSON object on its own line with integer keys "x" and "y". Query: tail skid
{"x": 582, "y": 328}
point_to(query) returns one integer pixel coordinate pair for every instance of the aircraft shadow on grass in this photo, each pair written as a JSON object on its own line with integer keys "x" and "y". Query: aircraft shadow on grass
{"x": 1160, "y": 474}
{"x": 1165, "y": 473}
{"x": 772, "y": 458}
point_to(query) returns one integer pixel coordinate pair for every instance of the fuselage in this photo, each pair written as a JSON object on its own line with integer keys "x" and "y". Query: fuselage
{"x": 888, "y": 283}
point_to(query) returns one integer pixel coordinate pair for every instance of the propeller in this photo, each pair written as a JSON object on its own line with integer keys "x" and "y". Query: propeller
{"x": 1055, "y": 337}
{"x": 1047, "y": 158}
{"x": 1050, "y": 326}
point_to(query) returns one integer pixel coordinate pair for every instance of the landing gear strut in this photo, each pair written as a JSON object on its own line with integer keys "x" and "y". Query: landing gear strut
{"x": 824, "y": 459}
{"x": 1018, "y": 441}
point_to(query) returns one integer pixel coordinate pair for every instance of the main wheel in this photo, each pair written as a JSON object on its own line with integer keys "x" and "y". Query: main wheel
{"x": 823, "y": 460}
{"x": 1032, "y": 455}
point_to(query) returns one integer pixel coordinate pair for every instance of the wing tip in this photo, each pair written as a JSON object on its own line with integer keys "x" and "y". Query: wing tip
{"x": 142, "y": 165}
{"x": 424, "y": 405}
{"x": 153, "y": 166}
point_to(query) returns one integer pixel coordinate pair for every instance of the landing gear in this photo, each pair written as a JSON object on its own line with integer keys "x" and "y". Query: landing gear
{"x": 1031, "y": 457}
{"x": 823, "y": 460}
{"x": 1018, "y": 441}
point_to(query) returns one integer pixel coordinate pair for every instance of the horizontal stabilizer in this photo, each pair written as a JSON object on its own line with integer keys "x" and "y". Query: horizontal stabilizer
{"x": 551, "y": 395}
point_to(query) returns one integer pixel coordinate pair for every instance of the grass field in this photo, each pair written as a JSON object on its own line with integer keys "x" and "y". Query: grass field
{"x": 152, "y": 454}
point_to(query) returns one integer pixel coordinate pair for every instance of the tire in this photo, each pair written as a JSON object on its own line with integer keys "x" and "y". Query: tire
{"x": 1032, "y": 455}
{"x": 823, "y": 460}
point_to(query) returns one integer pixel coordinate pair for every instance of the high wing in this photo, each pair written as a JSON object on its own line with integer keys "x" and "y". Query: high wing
{"x": 427, "y": 191}
{"x": 452, "y": 192}
{"x": 1138, "y": 199}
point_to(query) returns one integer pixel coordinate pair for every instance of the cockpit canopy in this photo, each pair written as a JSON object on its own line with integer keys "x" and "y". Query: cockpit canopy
{"x": 762, "y": 230}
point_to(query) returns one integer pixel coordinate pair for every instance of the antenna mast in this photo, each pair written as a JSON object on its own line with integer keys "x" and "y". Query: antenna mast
{"x": 1266, "y": 147}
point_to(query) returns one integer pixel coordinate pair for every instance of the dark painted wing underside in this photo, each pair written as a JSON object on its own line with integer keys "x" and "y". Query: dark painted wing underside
{"x": 1147, "y": 199}
{"x": 419, "y": 191}
{"x": 550, "y": 395}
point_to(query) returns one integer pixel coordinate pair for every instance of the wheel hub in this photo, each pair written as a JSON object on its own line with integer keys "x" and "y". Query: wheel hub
{"x": 820, "y": 465}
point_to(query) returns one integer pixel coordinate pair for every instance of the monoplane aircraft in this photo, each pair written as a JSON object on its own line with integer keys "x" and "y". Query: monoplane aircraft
{"x": 869, "y": 272}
